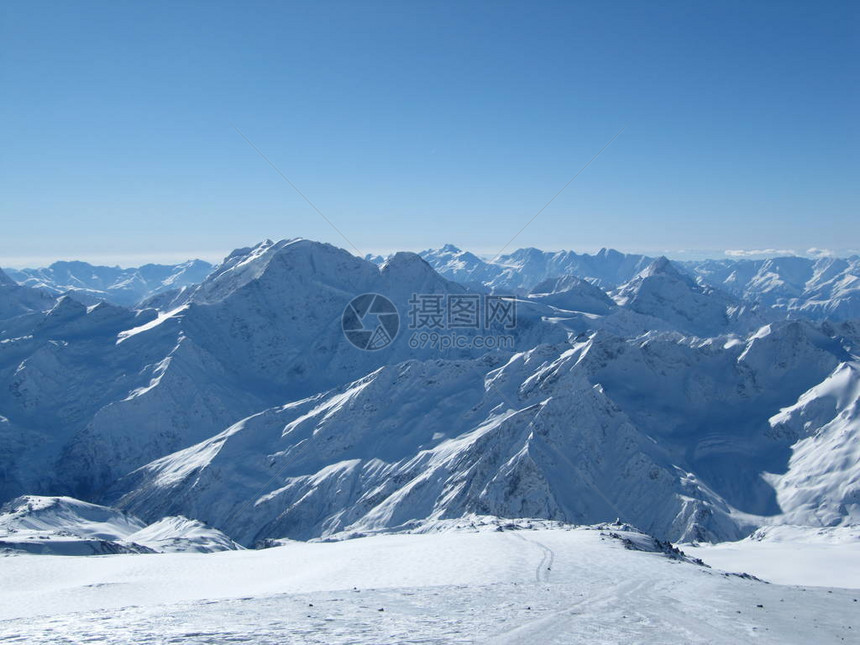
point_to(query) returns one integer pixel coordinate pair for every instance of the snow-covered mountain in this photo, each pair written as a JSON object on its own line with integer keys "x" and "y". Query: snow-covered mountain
{"x": 708, "y": 402}
{"x": 811, "y": 288}
{"x": 572, "y": 294}
{"x": 578, "y": 433}
{"x": 91, "y": 283}
{"x": 93, "y": 392}
{"x": 661, "y": 291}
{"x": 16, "y": 300}
{"x": 814, "y": 288}
{"x": 821, "y": 486}
{"x": 67, "y": 526}
{"x": 674, "y": 405}
{"x": 607, "y": 268}
{"x": 462, "y": 266}
{"x": 530, "y": 437}
{"x": 5, "y": 280}
{"x": 524, "y": 269}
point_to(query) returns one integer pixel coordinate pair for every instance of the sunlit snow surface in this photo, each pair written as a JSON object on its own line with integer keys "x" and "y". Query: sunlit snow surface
{"x": 792, "y": 555}
{"x": 545, "y": 585}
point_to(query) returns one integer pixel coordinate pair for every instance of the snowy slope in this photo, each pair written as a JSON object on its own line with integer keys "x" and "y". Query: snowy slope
{"x": 65, "y": 513}
{"x": 791, "y": 555}
{"x": 581, "y": 433}
{"x": 708, "y": 402}
{"x": 182, "y": 398}
{"x": 180, "y": 535}
{"x": 68, "y": 378}
{"x": 533, "y": 436}
{"x": 822, "y": 484}
{"x": 65, "y": 526}
{"x": 475, "y": 584}
{"x": 113, "y": 284}
{"x": 57, "y": 368}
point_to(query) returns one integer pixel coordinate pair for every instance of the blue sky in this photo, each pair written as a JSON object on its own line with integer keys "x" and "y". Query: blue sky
{"x": 415, "y": 124}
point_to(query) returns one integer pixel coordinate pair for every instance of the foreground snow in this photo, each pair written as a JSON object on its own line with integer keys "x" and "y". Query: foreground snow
{"x": 548, "y": 584}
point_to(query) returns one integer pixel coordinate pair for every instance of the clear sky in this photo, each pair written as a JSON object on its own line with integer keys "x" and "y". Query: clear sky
{"x": 413, "y": 124}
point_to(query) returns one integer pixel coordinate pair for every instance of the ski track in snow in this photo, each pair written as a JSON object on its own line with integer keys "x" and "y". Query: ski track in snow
{"x": 547, "y": 558}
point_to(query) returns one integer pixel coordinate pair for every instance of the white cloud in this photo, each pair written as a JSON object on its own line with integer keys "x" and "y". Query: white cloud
{"x": 746, "y": 253}
{"x": 820, "y": 253}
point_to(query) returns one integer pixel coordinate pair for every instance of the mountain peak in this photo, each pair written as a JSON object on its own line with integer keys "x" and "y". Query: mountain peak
{"x": 284, "y": 262}
{"x": 66, "y": 307}
{"x": 607, "y": 253}
{"x": 407, "y": 264}
{"x": 572, "y": 293}
{"x": 660, "y": 266}
{"x": 527, "y": 252}
{"x": 662, "y": 291}
{"x": 450, "y": 248}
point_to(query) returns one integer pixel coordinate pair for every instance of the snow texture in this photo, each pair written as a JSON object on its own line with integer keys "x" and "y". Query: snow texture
{"x": 486, "y": 581}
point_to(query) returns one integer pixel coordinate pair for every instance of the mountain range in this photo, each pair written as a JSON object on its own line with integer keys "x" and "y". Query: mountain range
{"x": 90, "y": 284}
{"x": 812, "y": 288}
{"x": 695, "y": 402}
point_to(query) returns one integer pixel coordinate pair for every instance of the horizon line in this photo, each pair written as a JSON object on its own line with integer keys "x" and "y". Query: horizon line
{"x": 136, "y": 260}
